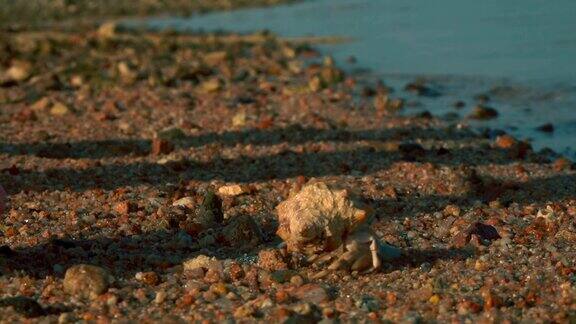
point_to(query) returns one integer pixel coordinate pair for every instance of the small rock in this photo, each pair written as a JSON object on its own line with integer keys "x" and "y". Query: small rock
{"x": 107, "y": 30}
{"x": 150, "y": 278}
{"x": 421, "y": 89}
{"x": 562, "y": 164}
{"x": 86, "y": 281}
{"x": 459, "y": 104}
{"x": 546, "y": 128}
{"x": 195, "y": 273}
{"x": 41, "y": 104}
{"x": 297, "y": 280}
{"x": 483, "y": 231}
{"x": 312, "y": 293}
{"x": 383, "y": 103}
{"x": 515, "y": 148}
{"x": 236, "y": 271}
{"x": 239, "y": 120}
{"x": 212, "y": 276}
{"x": 506, "y": 142}
{"x": 210, "y": 212}
{"x": 210, "y": 86}
{"x": 124, "y": 207}
{"x": 59, "y": 109}
{"x": 242, "y": 232}
{"x": 331, "y": 75}
{"x": 483, "y": 112}
{"x": 19, "y": 71}
{"x": 271, "y": 260}
{"x": 315, "y": 84}
{"x": 244, "y": 311}
{"x": 187, "y": 202}
{"x": 204, "y": 262}
{"x": 231, "y": 190}
{"x": 452, "y": 210}
{"x": 160, "y": 297}
{"x": 161, "y": 146}
{"x": 412, "y": 151}
{"x": 25, "y": 115}
{"x": 219, "y": 288}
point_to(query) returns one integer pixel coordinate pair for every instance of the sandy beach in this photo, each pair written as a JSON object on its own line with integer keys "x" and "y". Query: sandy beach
{"x": 116, "y": 145}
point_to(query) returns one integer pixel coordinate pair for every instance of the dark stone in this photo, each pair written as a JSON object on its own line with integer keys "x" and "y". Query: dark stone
{"x": 5, "y": 250}
{"x": 483, "y": 112}
{"x": 412, "y": 151}
{"x": 459, "y": 104}
{"x": 485, "y": 232}
{"x": 546, "y": 128}
{"x": 421, "y": 89}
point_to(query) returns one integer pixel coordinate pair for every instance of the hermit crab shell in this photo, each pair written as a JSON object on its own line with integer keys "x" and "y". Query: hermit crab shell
{"x": 319, "y": 217}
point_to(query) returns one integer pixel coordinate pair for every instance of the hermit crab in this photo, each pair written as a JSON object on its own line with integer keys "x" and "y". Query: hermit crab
{"x": 330, "y": 226}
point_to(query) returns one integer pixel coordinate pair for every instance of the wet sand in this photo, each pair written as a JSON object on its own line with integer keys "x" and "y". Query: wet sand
{"x": 102, "y": 131}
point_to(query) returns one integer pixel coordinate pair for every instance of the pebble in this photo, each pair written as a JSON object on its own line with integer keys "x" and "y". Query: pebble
{"x": 124, "y": 207}
{"x": 19, "y": 71}
{"x": 297, "y": 280}
{"x": 239, "y": 120}
{"x": 459, "y": 104}
{"x": 236, "y": 271}
{"x": 86, "y": 281}
{"x": 312, "y": 293}
{"x": 244, "y": 311}
{"x": 271, "y": 260}
{"x": 505, "y": 141}
{"x": 219, "y": 288}
{"x": 562, "y": 164}
{"x": 161, "y": 146}
{"x": 546, "y": 128}
{"x": 211, "y": 85}
{"x": 212, "y": 276}
{"x": 107, "y": 30}
{"x": 149, "y": 278}
{"x": 412, "y": 151}
{"x": 187, "y": 202}
{"x": 160, "y": 297}
{"x": 482, "y": 231}
{"x": 204, "y": 262}
{"x": 421, "y": 89}
{"x": 483, "y": 112}
{"x": 59, "y": 109}
{"x": 231, "y": 190}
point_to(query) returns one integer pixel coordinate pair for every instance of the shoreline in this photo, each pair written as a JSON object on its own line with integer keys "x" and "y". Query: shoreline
{"x": 114, "y": 148}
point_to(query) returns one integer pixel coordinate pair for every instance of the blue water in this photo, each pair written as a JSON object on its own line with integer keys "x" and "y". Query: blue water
{"x": 463, "y": 48}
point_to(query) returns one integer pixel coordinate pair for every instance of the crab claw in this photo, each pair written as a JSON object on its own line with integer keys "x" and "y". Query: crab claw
{"x": 361, "y": 252}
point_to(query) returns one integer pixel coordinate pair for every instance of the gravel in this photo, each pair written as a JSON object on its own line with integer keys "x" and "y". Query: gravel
{"x": 84, "y": 188}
